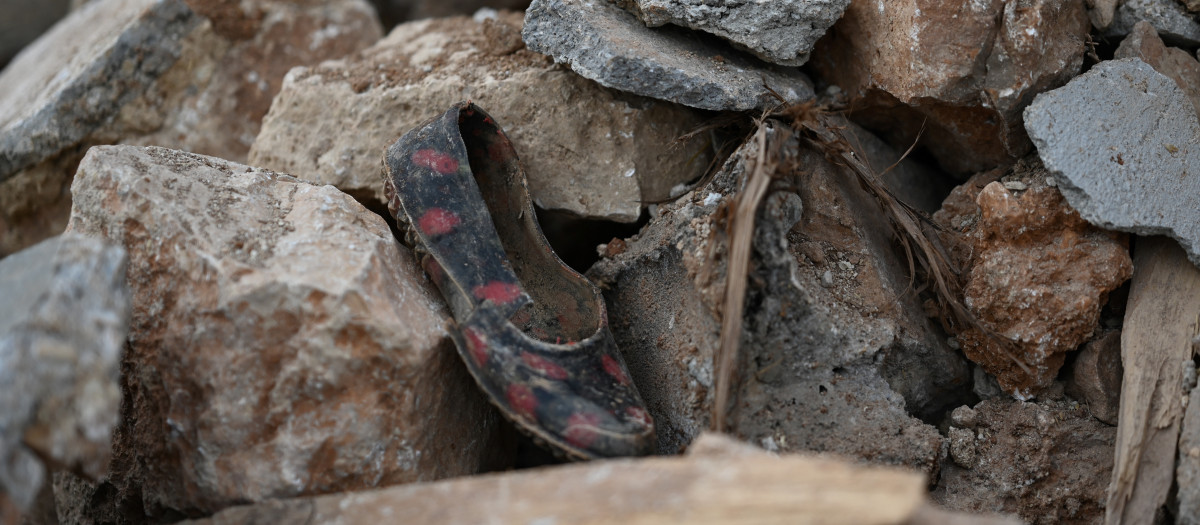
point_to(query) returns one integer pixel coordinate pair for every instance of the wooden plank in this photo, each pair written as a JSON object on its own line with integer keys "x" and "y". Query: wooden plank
{"x": 720, "y": 482}
{"x": 1161, "y": 319}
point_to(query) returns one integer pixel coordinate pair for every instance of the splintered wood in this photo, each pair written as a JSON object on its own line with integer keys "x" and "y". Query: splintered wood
{"x": 1161, "y": 320}
{"x": 719, "y": 481}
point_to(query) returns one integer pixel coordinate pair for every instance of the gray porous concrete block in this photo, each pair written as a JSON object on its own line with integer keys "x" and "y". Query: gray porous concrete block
{"x": 1175, "y": 25}
{"x": 102, "y": 56}
{"x": 605, "y": 43}
{"x": 781, "y": 31}
{"x": 1131, "y": 165}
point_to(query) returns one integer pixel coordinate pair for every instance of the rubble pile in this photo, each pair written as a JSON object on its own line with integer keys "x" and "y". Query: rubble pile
{"x": 915, "y": 261}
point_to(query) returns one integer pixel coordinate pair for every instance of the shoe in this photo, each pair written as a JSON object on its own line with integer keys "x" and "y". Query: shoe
{"x": 532, "y": 332}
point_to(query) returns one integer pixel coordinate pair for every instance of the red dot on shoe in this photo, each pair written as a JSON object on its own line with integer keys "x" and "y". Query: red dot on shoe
{"x": 438, "y": 221}
{"x": 522, "y": 400}
{"x": 581, "y": 429}
{"x": 498, "y": 292}
{"x": 613, "y": 367}
{"x": 544, "y": 366}
{"x": 476, "y": 345}
{"x": 637, "y": 415}
{"x": 435, "y": 160}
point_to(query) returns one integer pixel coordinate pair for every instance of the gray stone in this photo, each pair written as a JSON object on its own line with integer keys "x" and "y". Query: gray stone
{"x": 1095, "y": 378}
{"x": 21, "y": 21}
{"x": 835, "y": 368}
{"x": 1187, "y": 470}
{"x": 1144, "y": 43}
{"x": 782, "y": 31}
{"x": 588, "y": 150}
{"x": 1174, "y": 24}
{"x": 282, "y": 341}
{"x": 48, "y": 109}
{"x": 63, "y": 323}
{"x": 1131, "y": 166}
{"x": 605, "y": 43}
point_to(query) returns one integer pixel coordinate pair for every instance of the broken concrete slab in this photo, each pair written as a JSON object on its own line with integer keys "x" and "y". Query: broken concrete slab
{"x": 1026, "y": 456}
{"x": 588, "y": 151}
{"x": 831, "y": 365}
{"x": 1036, "y": 274}
{"x": 1130, "y": 167}
{"x": 781, "y": 32}
{"x": 609, "y": 45}
{"x": 190, "y": 75}
{"x": 903, "y": 67}
{"x": 1175, "y": 25}
{"x": 1173, "y": 62}
{"x": 282, "y": 341}
{"x": 63, "y": 324}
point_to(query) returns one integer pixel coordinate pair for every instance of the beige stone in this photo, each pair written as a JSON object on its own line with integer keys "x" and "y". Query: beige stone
{"x": 282, "y": 342}
{"x": 195, "y": 75}
{"x": 960, "y": 71}
{"x": 588, "y": 150}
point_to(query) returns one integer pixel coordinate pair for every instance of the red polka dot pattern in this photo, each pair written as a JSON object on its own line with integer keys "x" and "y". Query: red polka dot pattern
{"x": 438, "y": 221}
{"x": 544, "y": 366}
{"x": 614, "y": 369}
{"x": 497, "y": 292}
{"x": 581, "y": 429}
{"x": 522, "y": 400}
{"x": 435, "y": 160}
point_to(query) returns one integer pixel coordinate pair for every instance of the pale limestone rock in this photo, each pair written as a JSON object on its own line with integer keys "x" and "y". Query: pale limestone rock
{"x": 587, "y": 150}
{"x": 192, "y": 75}
{"x": 282, "y": 342}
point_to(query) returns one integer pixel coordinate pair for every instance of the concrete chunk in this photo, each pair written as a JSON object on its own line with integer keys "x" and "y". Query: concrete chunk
{"x": 1131, "y": 167}
{"x": 602, "y": 42}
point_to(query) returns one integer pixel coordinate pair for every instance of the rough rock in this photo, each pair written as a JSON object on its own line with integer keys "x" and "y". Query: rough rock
{"x": 22, "y": 21}
{"x": 1173, "y": 62}
{"x": 1046, "y": 462}
{"x": 605, "y": 43}
{"x": 588, "y": 150}
{"x": 827, "y": 366}
{"x": 282, "y": 343}
{"x": 63, "y": 323}
{"x": 196, "y": 75}
{"x": 961, "y": 72}
{"x": 781, "y": 32}
{"x": 1125, "y": 168}
{"x": 394, "y": 12}
{"x": 710, "y": 485}
{"x": 1036, "y": 274}
{"x": 1102, "y": 12}
{"x": 1187, "y": 469}
{"x": 1096, "y": 376}
{"x": 1176, "y": 26}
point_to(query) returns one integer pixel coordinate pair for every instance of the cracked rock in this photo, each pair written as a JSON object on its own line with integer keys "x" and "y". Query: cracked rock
{"x": 609, "y": 45}
{"x": 588, "y": 150}
{"x": 782, "y": 32}
{"x": 1037, "y": 275}
{"x": 1129, "y": 167}
{"x": 836, "y": 369}
{"x": 282, "y": 342}
{"x": 960, "y": 71}
{"x": 1174, "y": 24}
{"x": 195, "y": 75}
{"x": 1173, "y": 62}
